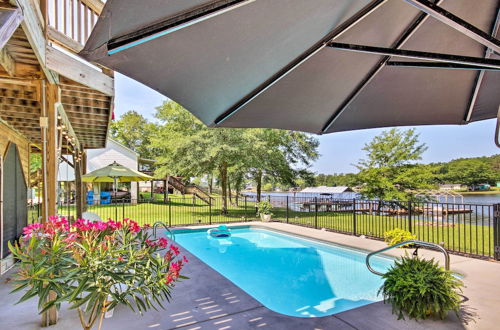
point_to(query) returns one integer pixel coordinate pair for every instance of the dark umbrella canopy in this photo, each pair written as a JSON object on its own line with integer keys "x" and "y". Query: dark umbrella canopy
{"x": 317, "y": 66}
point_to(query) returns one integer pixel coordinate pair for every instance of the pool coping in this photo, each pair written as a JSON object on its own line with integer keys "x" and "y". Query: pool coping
{"x": 185, "y": 230}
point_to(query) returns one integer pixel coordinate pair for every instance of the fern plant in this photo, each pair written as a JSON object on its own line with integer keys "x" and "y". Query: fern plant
{"x": 395, "y": 236}
{"x": 421, "y": 289}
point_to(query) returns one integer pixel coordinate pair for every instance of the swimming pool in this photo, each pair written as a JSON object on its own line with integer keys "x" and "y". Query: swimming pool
{"x": 289, "y": 274}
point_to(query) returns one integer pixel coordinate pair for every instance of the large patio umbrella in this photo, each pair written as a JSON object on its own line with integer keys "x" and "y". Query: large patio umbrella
{"x": 115, "y": 173}
{"x": 318, "y": 66}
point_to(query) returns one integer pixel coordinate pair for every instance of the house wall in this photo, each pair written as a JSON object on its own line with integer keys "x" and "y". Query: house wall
{"x": 9, "y": 135}
{"x": 14, "y": 180}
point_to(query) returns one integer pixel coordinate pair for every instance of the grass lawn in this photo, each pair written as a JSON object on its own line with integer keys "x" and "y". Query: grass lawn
{"x": 461, "y": 236}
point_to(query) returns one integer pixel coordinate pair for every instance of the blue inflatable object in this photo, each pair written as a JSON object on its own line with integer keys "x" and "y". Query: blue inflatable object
{"x": 90, "y": 197}
{"x": 221, "y": 231}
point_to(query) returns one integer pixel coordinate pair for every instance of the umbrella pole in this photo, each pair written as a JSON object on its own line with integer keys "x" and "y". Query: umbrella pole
{"x": 116, "y": 202}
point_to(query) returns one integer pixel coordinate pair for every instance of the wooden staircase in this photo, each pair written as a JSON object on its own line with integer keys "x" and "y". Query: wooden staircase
{"x": 193, "y": 189}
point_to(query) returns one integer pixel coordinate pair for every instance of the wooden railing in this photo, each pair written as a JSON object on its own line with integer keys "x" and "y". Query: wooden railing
{"x": 70, "y": 22}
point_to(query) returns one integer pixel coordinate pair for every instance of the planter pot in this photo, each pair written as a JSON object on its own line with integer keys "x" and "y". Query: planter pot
{"x": 265, "y": 217}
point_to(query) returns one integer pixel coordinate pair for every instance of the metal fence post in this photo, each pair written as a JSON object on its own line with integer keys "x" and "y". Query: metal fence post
{"x": 354, "y": 231}
{"x": 409, "y": 217}
{"x": 246, "y": 215}
{"x": 286, "y": 209}
{"x": 123, "y": 210}
{"x": 496, "y": 231}
{"x": 316, "y": 212}
{"x": 170, "y": 213}
{"x": 210, "y": 212}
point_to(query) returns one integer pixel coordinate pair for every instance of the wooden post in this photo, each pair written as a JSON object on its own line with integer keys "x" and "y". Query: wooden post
{"x": 83, "y": 168}
{"x": 50, "y": 167}
{"x": 52, "y": 98}
{"x": 80, "y": 195}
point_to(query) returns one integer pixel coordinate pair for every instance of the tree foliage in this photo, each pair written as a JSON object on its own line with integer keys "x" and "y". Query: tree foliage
{"x": 133, "y": 131}
{"x": 186, "y": 147}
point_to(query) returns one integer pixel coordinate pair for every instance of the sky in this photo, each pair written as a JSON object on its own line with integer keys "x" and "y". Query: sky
{"x": 339, "y": 151}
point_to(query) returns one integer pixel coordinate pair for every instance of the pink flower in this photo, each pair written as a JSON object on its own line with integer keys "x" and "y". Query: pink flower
{"x": 174, "y": 249}
{"x": 70, "y": 238}
{"x": 120, "y": 258}
{"x": 185, "y": 259}
{"x": 132, "y": 225}
{"x": 168, "y": 256}
{"x": 30, "y": 230}
{"x": 162, "y": 242}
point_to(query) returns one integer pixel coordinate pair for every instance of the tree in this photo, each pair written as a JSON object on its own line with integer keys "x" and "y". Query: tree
{"x": 134, "y": 131}
{"x": 471, "y": 171}
{"x": 280, "y": 156}
{"x": 188, "y": 148}
{"x": 389, "y": 172}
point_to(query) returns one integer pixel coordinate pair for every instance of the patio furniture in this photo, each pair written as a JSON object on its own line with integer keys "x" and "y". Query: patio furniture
{"x": 105, "y": 197}
{"x": 91, "y": 216}
{"x": 90, "y": 197}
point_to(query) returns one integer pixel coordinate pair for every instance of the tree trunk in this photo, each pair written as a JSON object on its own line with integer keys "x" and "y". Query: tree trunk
{"x": 229, "y": 192}
{"x": 258, "y": 180}
{"x": 210, "y": 183}
{"x": 223, "y": 185}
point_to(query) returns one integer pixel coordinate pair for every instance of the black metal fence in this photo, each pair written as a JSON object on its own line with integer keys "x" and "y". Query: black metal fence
{"x": 470, "y": 229}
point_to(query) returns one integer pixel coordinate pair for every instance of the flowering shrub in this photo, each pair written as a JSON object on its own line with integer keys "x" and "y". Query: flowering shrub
{"x": 95, "y": 266}
{"x": 395, "y": 236}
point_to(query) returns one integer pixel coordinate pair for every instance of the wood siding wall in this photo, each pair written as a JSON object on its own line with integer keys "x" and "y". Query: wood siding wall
{"x": 9, "y": 135}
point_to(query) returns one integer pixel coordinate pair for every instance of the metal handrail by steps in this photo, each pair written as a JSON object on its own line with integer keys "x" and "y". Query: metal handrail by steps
{"x": 415, "y": 242}
{"x": 161, "y": 224}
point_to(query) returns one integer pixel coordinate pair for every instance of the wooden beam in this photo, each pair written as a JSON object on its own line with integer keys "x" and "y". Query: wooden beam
{"x": 7, "y": 62}
{"x": 83, "y": 109}
{"x": 86, "y": 102}
{"x": 20, "y": 92}
{"x": 80, "y": 72}
{"x": 33, "y": 27}
{"x": 9, "y": 22}
{"x": 95, "y": 5}
{"x": 67, "y": 123}
{"x": 64, "y": 40}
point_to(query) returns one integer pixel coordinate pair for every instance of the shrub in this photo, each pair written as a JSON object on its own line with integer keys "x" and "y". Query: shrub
{"x": 95, "y": 266}
{"x": 395, "y": 236}
{"x": 264, "y": 207}
{"x": 421, "y": 289}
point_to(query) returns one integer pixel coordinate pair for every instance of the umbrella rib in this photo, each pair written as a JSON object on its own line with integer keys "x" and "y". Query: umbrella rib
{"x": 457, "y": 23}
{"x": 402, "y": 39}
{"x": 480, "y": 75}
{"x": 358, "y": 17}
{"x": 414, "y": 54}
{"x": 440, "y": 65}
{"x": 173, "y": 24}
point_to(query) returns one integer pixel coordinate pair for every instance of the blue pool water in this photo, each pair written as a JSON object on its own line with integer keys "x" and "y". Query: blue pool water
{"x": 288, "y": 274}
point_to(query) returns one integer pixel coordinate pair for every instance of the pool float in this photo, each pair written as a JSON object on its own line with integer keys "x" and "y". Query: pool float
{"x": 221, "y": 231}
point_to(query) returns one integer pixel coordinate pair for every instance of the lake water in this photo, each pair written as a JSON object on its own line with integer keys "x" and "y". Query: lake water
{"x": 483, "y": 199}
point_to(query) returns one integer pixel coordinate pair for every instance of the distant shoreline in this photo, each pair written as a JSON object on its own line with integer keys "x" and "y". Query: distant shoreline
{"x": 487, "y": 192}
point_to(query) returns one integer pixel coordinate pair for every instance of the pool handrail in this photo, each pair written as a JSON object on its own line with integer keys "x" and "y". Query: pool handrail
{"x": 415, "y": 242}
{"x": 159, "y": 223}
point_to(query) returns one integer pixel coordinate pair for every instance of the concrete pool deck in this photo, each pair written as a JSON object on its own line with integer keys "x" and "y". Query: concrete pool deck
{"x": 210, "y": 301}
